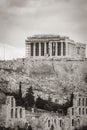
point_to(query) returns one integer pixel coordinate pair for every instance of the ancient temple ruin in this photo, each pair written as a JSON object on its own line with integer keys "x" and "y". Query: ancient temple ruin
{"x": 41, "y": 46}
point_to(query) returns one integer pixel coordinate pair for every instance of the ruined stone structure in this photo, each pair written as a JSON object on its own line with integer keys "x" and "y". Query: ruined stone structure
{"x": 10, "y": 114}
{"x": 54, "y": 66}
{"x": 78, "y": 112}
{"x": 53, "y": 46}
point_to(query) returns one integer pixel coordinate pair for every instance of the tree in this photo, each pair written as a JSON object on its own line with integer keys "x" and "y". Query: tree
{"x": 18, "y": 96}
{"x": 39, "y": 103}
{"x": 29, "y": 98}
{"x": 71, "y": 99}
{"x": 52, "y": 127}
{"x": 43, "y": 104}
{"x": 49, "y": 99}
{"x": 20, "y": 91}
{"x": 48, "y": 106}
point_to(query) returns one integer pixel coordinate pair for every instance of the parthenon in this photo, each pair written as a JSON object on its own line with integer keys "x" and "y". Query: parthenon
{"x": 53, "y": 46}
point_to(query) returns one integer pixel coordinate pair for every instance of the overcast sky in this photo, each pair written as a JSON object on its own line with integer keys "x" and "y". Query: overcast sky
{"x": 22, "y": 18}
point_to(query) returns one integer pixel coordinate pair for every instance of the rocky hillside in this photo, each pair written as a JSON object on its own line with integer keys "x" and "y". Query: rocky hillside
{"x": 60, "y": 76}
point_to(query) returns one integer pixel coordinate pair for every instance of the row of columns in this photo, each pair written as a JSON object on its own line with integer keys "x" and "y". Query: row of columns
{"x": 28, "y": 49}
{"x": 17, "y": 112}
{"x": 13, "y": 110}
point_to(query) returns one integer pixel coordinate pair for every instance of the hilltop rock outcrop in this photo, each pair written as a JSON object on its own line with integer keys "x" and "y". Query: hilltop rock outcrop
{"x": 60, "y": 76}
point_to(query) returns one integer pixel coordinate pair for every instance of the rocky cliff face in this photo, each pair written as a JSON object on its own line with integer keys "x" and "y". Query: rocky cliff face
{"x": 60, "y": 76}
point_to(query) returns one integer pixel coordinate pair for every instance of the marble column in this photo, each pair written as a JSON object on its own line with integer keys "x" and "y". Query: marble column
{"x": 44, "y": 48}
{"x": 27, "y": 49}
{"x": 23, "y": 113}
{"x": 56, "y": 49}
{"x": 66, "y": 48}
{"x": 34, "y": 50}
{"x": 39, "y": 49}
{"x": 61, "y": 48}
{"x": 50, "y": 46}
{"x": 18, "y": 112}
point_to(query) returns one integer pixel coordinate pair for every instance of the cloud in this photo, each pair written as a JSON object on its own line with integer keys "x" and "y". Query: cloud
{"x": 21, "y": 18}
{"x": 10, "y": 52}
{"x": 17, "y": 3}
